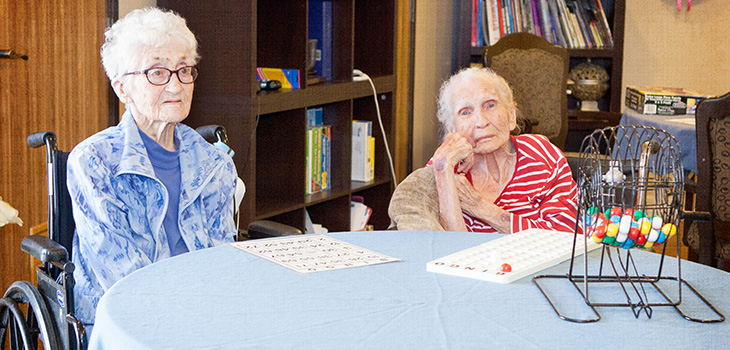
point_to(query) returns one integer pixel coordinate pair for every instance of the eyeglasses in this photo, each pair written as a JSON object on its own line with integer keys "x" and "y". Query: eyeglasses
{"x": 161, "y": 76}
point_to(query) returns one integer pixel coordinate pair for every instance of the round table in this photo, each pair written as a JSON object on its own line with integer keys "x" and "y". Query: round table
{"x": 225, "y": 298}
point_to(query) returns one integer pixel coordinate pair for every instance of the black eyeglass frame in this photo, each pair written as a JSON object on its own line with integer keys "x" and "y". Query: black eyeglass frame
{"x": 194, "y": 74}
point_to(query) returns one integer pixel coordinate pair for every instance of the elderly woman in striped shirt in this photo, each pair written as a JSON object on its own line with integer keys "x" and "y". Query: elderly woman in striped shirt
{"x": 488, "y": 180}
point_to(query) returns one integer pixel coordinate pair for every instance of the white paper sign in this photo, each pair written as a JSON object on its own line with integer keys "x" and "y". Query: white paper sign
{"x": 312, "y": 253}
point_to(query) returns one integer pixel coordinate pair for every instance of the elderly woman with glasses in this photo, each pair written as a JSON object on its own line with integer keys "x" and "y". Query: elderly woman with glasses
{"x": 150, "y": 187}
{"x": 485, "y": 179}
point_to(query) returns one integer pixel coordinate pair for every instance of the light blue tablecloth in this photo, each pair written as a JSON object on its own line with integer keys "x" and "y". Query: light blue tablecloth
{"x": 682, "y": 132}
{"x": 225, "y": 298}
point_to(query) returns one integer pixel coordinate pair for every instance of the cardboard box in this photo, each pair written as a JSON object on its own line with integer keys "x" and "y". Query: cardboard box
{"x": 662, "y": 101}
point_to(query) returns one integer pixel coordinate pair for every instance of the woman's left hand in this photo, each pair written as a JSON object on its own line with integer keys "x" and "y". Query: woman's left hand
{"x": 469, "y": 197}
{"x": 480, "y": 206}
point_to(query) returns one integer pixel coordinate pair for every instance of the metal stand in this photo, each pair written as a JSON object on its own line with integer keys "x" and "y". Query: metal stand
{"x": 621, "y": 168}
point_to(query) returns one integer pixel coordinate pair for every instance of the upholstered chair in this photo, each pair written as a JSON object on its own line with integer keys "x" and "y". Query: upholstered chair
{"x": 537, "y": 71}
{"x": 709, "y": 242}
{"x": 414, "y": 205}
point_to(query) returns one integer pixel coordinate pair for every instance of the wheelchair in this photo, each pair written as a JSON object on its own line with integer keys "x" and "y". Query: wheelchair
{"x": 49, "y": 315}
{"x": 50, "y": 306}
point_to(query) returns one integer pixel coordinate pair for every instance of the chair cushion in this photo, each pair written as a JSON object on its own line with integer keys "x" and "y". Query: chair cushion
{"x": 415, "y": 203}
{"x": 720, "y": 147}
{"x": 529, "y": 71}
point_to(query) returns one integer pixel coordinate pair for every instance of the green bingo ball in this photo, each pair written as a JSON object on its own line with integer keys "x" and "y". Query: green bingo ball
{"x": 638, "y": 215}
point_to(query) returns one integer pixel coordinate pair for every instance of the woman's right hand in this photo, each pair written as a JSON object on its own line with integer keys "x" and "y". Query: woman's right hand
{"x": 455, "y": 150}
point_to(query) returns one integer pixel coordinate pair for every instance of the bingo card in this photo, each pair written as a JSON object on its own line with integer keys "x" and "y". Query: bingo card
{"x": 312, "y": 253}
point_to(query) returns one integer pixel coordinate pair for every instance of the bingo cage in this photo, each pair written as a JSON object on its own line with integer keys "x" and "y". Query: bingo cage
{"x": 631, "y": 194}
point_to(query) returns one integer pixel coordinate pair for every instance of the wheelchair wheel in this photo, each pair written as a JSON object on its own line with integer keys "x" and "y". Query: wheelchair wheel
{"x": 13, "y": 325}
{"x": 38, "y": 321}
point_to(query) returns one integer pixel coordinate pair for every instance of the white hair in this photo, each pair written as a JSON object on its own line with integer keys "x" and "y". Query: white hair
{"x": 147, "y": 27}
{"x": 474, "y": 76}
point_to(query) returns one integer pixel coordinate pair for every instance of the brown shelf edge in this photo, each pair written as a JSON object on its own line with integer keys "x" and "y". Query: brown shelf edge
{"x": 477, "y": 51}
{"x": 580, "y": 120}
{"x": 356, "y": 186}
{"x": 324, "y": 196}
{"x": 267, "y": 213}
{"x": 279, "y": 101}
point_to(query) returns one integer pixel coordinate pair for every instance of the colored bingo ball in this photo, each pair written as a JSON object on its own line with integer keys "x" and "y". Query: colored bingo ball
{"x": 627, "y": 228}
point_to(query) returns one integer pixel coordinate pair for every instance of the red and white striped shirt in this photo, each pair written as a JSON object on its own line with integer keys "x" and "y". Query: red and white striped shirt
{"x": 541, "y": 193}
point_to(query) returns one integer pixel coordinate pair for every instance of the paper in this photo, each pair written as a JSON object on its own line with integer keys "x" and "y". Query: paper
{"x": 313, "y": 253}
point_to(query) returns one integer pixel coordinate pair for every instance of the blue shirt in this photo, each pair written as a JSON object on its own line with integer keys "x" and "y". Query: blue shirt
{"x": 167, "y": 169}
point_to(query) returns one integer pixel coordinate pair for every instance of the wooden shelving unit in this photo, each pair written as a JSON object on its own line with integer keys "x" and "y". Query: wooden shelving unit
{"x": 581, "y": 123}
{"x": 267, "y": 129}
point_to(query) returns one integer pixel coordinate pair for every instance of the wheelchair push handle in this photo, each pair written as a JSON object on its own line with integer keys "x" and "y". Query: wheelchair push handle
{"x": 38, "y": 139}
{"x": 217, "y": 132}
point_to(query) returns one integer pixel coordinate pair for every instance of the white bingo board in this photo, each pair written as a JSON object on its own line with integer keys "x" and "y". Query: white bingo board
{"x": 312, "y": 253}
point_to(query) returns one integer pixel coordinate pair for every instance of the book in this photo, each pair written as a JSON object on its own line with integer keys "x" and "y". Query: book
{"x": 562, "y": 37}
{"x": 501, "y": 18}
{"x": 317, "y": 160}
{"x": 537, "y": 26}
{"x": 362, "y": 151}
{"x": 359, "y": 215}
{"x": 325, "y": 180}
{"x": 570, "y": 29}
{"x": 320, "y": 28}
{"x": 289, "y": 78}
{"x": 480, "y": 23}
{"x": 314, "y": 117}
{"x": 493, "y": 34}
{"x": 318, "y": 155}
{"x": 582, "y": 23}
{"x": 545, "y": 21}
{"x": 309, "y": 153}
{"x": 590, "y": 22}
{"x": 508, "y": 17}
{"x": 474, "y": 22}
{"x": 603, "y": 26}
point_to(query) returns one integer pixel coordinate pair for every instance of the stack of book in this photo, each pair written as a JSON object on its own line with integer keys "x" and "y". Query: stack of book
{"x": 320, "y": 29}
{"x": 359, "y": 214}
{"x": 363, "y": 151}
{"x": 573, "y": 24}
{"x": 318, "y": 153}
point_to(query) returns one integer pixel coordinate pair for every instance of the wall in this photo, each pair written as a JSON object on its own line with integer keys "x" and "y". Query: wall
{"x": 688, "y": 49}
{"x": 125, "y": 6}
{"x": 432, "y": 64}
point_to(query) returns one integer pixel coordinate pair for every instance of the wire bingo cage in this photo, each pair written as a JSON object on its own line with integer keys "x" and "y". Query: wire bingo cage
{"x": 631, "y": 195}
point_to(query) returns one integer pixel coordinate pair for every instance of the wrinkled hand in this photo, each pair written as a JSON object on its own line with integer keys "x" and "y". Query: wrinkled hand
{"x": 455, "y": 150}
{"x": 469, "y": 197}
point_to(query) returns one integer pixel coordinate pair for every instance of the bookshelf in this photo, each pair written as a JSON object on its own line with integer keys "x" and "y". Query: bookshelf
{"x": 268, "y": 129}
{"x": 581, "y": 123}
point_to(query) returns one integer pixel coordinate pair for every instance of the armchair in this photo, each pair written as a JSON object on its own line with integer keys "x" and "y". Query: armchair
{"x": 537, "y": 71}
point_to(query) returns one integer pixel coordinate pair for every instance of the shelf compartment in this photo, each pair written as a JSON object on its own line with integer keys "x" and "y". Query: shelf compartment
{"x": 378, "y": 198}
{"x": 364, "y": 109}
{"x": 280, "y": 141}
{"x": 374, "y": 41}
{"x": 281, "y": 33}
{"x": 332, "y": 214}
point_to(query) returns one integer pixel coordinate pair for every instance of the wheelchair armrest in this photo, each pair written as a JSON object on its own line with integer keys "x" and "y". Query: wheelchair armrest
{"x": 266, "y": 228}
{"x": 44, "y": 249}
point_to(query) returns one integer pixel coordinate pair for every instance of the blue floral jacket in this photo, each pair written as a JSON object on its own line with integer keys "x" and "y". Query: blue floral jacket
{"x": 119, "y": 205}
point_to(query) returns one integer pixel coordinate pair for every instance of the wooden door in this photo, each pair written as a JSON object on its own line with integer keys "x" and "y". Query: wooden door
{"x": 61, "y": 88}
